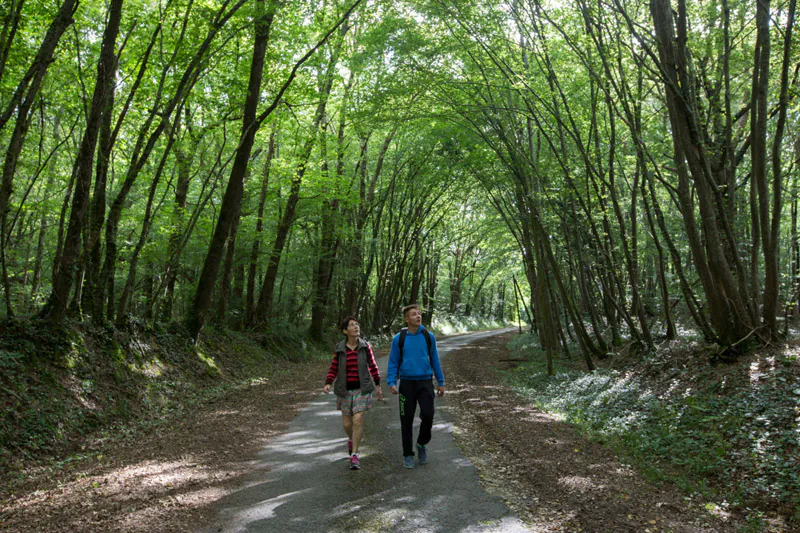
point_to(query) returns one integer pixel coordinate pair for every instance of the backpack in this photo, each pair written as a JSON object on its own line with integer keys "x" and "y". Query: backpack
{"x": 402, "y": 340}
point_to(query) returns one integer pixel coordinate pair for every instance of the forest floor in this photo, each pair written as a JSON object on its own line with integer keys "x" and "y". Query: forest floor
{"x": 549, "y": 474}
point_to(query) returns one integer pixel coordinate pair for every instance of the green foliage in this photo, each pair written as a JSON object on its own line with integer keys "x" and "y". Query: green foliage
{"x": 57, "y": 388}
{"x": 729, "y": 439}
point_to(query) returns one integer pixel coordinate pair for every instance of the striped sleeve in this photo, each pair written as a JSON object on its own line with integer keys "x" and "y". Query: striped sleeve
{"x": 333, "y": 371}
{"x": 373, "y": 366}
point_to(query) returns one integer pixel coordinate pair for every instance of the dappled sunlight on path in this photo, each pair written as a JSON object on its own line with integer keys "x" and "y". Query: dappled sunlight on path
{"x": 303, "y": 483}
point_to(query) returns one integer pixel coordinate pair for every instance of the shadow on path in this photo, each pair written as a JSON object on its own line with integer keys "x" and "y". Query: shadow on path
{"x": 301, "y": 481}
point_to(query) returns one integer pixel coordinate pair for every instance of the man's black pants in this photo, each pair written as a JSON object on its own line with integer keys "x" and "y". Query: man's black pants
{"x": 411, "y": 394}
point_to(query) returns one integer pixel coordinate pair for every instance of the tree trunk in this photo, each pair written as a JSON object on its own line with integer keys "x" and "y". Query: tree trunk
{"x": 227, "y": 272}
{"x": 254, "y": 252}
{"x": 10, "y": 27}
{"x": 729, "y": 310}
{"x": 264, "y": 307}
{"x": 106, "y": 71}
{"x": 758, "y": 157}
{"x": 183, "y": 161}
{"x": 92, "y": 302}
{"x": 772, "y": 273}
{"x": 323, "y": 275}
{"x": 231, "y": 202}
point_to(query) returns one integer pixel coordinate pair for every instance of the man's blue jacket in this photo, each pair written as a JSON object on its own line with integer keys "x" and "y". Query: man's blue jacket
{"x": 416, "y": 363}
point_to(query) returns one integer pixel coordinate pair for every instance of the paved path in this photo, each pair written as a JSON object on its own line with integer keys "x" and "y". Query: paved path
{"x": 301, "y": 481}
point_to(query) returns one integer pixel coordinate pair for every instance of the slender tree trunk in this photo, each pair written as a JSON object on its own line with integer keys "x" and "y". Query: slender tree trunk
{"x": 254, "y": 252}
{"x": 771, "y": 269}
{"x": 662, "y": 275}
{"x": 92, "y": 294}
{"x": 227, "y": 272}
{"x": 183, "y": 161}
{"x": 31, "y": 82}
{"x": 106, "y": 70}
{"x": 149, "y": 214}
{"x": 758, "y": 157}
{"x": 231, "y": 202}
{"x": 329, "y": 242}
{"x": 264, "y": 307}
{"x": 11, "y": 16}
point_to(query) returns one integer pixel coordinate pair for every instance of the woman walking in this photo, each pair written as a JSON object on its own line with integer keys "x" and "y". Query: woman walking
{"x": 354, "y": 376}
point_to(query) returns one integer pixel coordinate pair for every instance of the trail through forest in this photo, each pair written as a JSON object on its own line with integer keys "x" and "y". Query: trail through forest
{"x": 241, "y": 465}
{"x": 301, "y": 481}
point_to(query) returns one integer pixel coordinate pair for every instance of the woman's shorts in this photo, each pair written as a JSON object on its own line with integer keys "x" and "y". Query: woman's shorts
{"x": 355, "y": 402}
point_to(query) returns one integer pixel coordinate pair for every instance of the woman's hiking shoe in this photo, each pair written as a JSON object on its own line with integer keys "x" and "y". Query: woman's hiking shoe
{"x": 354, "y": 462}
{"x": 422, "y": 453}
{"x": 349, "y": 447}
{"x": 408, "y": 461}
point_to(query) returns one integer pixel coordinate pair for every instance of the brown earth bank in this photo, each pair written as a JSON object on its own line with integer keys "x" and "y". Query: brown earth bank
{"x": 168, "y": 480}
{"x": 552, "y": 476}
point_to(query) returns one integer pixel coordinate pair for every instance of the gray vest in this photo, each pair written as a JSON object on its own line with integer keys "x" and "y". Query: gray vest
{"x": 340, "y": 384}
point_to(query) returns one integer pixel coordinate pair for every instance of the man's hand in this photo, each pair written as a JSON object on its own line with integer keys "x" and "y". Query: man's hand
{"x": 440, "y": 390}
{"x": 379, "y": 393}
{"x": 394, "y": 389}
{"x": 327, "y": 388}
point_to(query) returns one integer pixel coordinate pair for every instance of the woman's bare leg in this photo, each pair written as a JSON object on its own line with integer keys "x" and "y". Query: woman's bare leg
{"x": 358, "y": 429}
{"x": 347, "y": 422}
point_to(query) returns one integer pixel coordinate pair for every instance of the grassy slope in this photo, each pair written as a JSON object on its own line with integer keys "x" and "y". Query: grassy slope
{"x": 729, "y": 433}
{"x": 61, "y": 385}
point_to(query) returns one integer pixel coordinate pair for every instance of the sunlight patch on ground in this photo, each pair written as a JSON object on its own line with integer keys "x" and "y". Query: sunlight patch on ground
{"x": 221, "y": 413}
{"x": 159, "y": 478}
{"x": 335, "y": 414}
{"x": 265, "y": 509}
{"x": 80, "y": 389}
{"x": 529, "y": 414}
{"x": 755, "y": 372}
{"x": 579, "y": 484}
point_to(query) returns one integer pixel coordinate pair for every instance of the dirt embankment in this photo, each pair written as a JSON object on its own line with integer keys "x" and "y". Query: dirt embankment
{"x": 168, "y": 481}
{"x": 552, "y": 476}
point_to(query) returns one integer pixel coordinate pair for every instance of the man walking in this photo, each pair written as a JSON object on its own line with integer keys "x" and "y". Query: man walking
{"x": 415, "y": 359}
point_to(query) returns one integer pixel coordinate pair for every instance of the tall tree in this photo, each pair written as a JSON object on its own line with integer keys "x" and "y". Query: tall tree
{"x": 106, "y": 70}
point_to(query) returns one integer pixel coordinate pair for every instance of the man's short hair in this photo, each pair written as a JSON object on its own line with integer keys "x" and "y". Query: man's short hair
{"x": 346, "y": 322}
{"x": 408, "y": 308}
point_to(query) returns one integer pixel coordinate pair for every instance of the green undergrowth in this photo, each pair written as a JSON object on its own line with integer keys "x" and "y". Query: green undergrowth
{"x": 729, "y": 434}
{"x": 61, "y": 386}
{"x": 446, "y": 324}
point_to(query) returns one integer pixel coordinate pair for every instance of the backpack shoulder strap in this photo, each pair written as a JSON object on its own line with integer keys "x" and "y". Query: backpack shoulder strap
{"x": 428, "y": 341}
{"x": 400, "y": 342}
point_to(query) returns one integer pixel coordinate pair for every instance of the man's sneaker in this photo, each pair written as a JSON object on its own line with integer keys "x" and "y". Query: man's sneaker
{"x": 408, "y": 461}
{"x": 422, "y": 453}
{"x": 349, "y": 447}
{"x": 354, "y": 462}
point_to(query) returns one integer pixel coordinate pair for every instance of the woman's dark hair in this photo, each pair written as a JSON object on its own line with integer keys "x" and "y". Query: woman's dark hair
{"x": 346, "y": 322}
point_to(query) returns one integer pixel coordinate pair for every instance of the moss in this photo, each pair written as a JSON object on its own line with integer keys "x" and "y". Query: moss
{"x": 59, "y": 384}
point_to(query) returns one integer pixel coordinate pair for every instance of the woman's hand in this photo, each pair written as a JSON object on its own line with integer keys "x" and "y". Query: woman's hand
{"x": 379, "y": 393}
{"x": 327, "y": 388}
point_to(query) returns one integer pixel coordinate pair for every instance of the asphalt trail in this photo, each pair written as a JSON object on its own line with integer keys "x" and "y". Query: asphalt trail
{"x": 301, "y": 481}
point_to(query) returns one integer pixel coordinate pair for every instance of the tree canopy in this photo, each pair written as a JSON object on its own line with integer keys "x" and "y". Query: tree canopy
{"x": 609, "y": 172}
